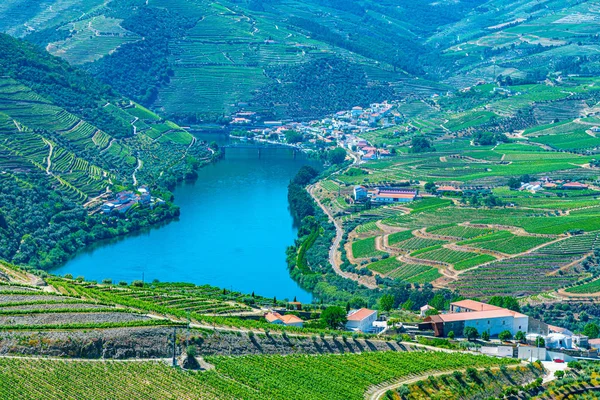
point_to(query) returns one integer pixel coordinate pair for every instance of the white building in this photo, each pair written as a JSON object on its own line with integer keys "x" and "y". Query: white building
{"x": 481, "y": 316}
{"x": 287, "y": 320}
{"x": 426, "y": 308}
{"x": 361, "y": 320}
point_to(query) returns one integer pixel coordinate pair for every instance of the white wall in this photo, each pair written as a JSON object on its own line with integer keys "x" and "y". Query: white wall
{"x": 496, "y": 325}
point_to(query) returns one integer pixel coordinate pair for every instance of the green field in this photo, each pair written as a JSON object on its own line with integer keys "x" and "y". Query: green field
{"x": 365, "y": 248}
{"x": 250, "y": 377}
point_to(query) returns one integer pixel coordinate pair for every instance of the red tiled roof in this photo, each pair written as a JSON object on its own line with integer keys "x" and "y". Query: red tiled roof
{"x": 272, "y": 316}
{"x": 397, "y": 195}
{"x": 575, "y": 184}
{"x": 290, "y": 319}
{"x": 475, "y": 305}
{"x": 361, "y": 314}
{"x": 467, "y": 316}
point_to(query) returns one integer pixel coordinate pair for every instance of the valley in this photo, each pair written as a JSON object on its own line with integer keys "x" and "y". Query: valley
{"x": 300, "y": 199}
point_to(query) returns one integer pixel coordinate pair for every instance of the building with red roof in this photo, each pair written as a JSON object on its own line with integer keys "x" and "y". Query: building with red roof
{"x": 481, "y": 316}
{"x": 361, "y": 320}
{"x": 287, "y": 320}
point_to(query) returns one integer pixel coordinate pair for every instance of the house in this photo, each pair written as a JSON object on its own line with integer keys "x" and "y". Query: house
{"x": 481, "y": 316}
{"x": 448, "y": 189}
{"x": 426, "y": 308}
{"x": 531, "y": 186}
{"x": 386, "y": 195}
{"x": 356, "y": 111}
{"x": 107, "y": 208}
{"x": 596, "y": 129}
{"x": 575, "y": 186}
{"x": 361, "y": 320}
{"x": 369, "y": 156}
{"x": 360, "y": 193}
{"x": 471, "y": 306}
{"x": 287, "y": 320}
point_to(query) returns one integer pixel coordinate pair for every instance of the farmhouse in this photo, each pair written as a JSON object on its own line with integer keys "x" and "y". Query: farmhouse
{"x": 361, "y": 320}
{"x": 575, "y": 186}
{"x": 426, "y": 308}
{"x": 287, "y": 320}
{"x": 385, "y": 195}
{"x": 448, "y": 189}
{"x": 481, "y": 316}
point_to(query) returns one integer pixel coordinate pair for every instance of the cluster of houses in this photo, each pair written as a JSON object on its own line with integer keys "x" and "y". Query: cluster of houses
{"x": 384, "y": 195}
{"x": 341, "y": 125}
{"x": 558, "y": 342}
{"x": 123, "y": 201}
{"x": 361, "y": 320}
{"x": 546, "y": 183}
{"x": 366, "y": 151}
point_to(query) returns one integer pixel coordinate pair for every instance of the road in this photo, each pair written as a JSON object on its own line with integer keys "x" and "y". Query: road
{"x": 334, "y": 260}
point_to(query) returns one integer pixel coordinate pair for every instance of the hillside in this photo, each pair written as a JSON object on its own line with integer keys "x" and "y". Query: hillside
{"x": 259, "y": 55}
{"x": 67, "y": 140}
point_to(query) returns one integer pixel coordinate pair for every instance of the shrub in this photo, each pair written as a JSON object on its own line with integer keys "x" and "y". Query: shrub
{"x": 451, "y": 335}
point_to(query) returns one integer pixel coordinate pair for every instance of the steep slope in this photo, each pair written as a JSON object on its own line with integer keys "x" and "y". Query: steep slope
{"x": 66, "y": 140}
{"x": 195, "y": 59}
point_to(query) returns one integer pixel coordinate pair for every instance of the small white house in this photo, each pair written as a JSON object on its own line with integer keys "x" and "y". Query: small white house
{"x": 426, "y": 308}
{"x": 361, "y": 320}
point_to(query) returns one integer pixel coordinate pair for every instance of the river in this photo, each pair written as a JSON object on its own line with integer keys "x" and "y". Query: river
{"x": 233, "y": 231}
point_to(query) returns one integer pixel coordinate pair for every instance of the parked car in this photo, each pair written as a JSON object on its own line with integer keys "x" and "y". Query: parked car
{"x": 558, "y": 360}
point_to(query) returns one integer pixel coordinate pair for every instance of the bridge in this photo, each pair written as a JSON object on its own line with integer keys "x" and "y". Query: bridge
{"x": 259, "y": 147}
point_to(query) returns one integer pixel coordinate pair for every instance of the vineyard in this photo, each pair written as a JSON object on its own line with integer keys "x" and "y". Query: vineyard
{"x": 250, "y": 377}
{"x": 365, "y": 248}
{"x": 25, "y": 308}
{"x": 162, "y": 297}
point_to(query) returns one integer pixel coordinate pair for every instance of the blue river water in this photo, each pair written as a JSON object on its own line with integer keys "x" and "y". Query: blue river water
{"x": 233, "y": 231}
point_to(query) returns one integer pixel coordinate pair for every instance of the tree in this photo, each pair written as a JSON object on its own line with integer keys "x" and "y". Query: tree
{"x": 471, "y": 333}
{"x": 505, "y": 335}
{"x": 591, "y": 330}
{"x": 450, "y": 335}
{"x": 336, "y": 156}
{"x": 334, "y": 317}
{"x": 540, "y": 342}
{"x": 293, "y": 137}
{"x": 520, "y": 336}
{"x": 420, "y": 144}
{"x": 431, "y": 311}
{"x": 485, "y": 335}
{"x": 408, "y": 305}
{"x": 386, "y": 302}
{"x": 430, "y": 187}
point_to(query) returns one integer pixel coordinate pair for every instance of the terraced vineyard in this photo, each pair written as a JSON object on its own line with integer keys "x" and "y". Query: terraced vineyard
{"x": 28, "y": 308}
{"x": 506, "y": 242}
{"x": 464, "y": 232}
{"x": 164, "y": 298}
{"x": 365, "y": 248}
{"x": 248, "y": 377}
{"x": 415, "y": 273}
{"x": 461, "y": 258}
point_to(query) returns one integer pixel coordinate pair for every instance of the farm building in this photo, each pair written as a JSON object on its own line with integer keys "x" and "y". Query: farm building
{"x": 287, "y": 320}
{"x": 385, "y": 195}
{"x": 361, "y": 320}
{"x": 448, "y": 189}
{"x": 575, "y": 186}
{"x": 481, "y": 316}
{"x": 360, "y": 193}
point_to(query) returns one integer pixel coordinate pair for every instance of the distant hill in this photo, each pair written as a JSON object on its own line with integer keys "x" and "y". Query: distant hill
{"x": 194, "y": 59}
{"x": 65, "y": 139}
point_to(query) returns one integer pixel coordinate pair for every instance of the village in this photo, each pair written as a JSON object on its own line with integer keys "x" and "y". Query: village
{"x": 341, "y": 128}
{"x": 469, "y": 324}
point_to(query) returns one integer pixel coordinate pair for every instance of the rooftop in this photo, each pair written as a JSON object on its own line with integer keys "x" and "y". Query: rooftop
{"x": 475, "y": 305}
{"x": 453, "y": 317}
{"x": 361, "y": 314}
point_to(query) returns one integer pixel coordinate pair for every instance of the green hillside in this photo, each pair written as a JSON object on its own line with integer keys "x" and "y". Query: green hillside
{"x": 195, "y": 59}
{"x": 66, "y": 139}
